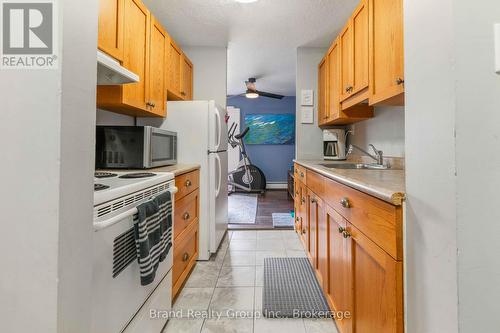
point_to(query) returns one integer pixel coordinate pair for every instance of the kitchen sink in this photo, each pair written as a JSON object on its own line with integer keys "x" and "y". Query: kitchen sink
{"x": 356, "y": 166}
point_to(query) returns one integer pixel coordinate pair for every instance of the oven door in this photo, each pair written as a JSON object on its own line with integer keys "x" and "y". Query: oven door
{"x": 161, "y": 147}
{"x": 117, "y": 293}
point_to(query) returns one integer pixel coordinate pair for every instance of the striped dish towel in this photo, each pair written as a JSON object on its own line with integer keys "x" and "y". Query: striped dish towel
{"x": 153, "y": 235}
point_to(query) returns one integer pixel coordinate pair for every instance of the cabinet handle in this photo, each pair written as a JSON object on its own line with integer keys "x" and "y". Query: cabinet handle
{"x": 186, "y": 216}
{"x": 345, "y": 203}
{"x": 185, "y": 256}
{"x": 303, "y": 200}
{"x": 297, "y": 218}
{"x": 301, "y": 174}
{"x": 349, "y": 89}
{"x": 341, "y": 230}
{"x": 313, "y": 200}
{"x": 188, "y": 183}
{"x": 148, "y": 103}
{"x": 183, "y": 93}
{"x": 399, "y": 81}
{"x": 303, "y": 231}
{"x": 346, "y": 234}
{"x": 153, "y": 105}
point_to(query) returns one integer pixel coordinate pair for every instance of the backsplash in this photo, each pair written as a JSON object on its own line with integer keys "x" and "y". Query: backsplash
{"x": 386, "y": 131}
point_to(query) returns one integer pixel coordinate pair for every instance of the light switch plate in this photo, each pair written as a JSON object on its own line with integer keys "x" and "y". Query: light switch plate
{"x": 497, "y": 48}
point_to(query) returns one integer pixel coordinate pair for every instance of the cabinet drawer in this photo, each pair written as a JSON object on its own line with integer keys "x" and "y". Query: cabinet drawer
{"x": 316, "y": 183}
{"x": 185, "y": 254}
{"x": 186, "y": 211}
{"x": 187, "y": 183}
{"x": 378, "y": 220}
{"x": 300, "y": 173}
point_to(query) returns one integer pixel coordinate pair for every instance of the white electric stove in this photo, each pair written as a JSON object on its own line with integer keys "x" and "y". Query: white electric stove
{"x": 120, "y": 302}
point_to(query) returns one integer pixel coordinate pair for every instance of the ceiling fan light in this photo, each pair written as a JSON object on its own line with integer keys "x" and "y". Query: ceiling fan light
{"x": 251, "y": 94}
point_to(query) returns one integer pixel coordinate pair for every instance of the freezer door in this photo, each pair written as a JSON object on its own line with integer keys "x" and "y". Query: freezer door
{"x": 217, "y": 128}
{"x": 217, "y": 198}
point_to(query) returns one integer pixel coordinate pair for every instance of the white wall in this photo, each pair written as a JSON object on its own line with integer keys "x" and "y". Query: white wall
{"x": 46, "y": 127}
{"x": 308, "y": 137}
{"x": 478, "y": 165}
{"x": 431, "y": 242}
{"x": 386, "y": 131}
{"x": 76, "y": 166}
{"x": 111, "y": 118}
{"x": 210, "y": 72}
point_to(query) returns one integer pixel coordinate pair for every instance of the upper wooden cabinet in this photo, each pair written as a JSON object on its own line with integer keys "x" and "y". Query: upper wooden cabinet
{"x": 133, "y": 98}
{"x": 364, "y": 64}
{"x": 180, "y": 77}
{"x": 387, "y": 53}
{"x": 323, "y": 91}
{"x": 110, "y": 28}
{"x": 186, "y": 78}
{"x": 346, "y": 61}
{"x": 174, "y": 71}
{"x": 158, "y": 68}
{"x": 131, "y": 35}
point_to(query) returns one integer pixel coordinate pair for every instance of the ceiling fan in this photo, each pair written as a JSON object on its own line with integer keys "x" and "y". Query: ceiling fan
{"x": 252, "y": 91}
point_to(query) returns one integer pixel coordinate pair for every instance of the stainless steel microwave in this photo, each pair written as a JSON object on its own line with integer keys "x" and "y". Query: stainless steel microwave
{"x": 135, "y": 147}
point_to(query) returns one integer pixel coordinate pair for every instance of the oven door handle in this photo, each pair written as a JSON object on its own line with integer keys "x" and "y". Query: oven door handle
{"x": 109, "y": 222}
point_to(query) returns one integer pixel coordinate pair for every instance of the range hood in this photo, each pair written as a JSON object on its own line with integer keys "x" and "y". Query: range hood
{"x": 110, "y": 72}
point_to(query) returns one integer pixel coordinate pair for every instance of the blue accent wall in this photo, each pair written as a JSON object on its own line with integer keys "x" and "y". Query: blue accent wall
{"x": 273, "y": 160}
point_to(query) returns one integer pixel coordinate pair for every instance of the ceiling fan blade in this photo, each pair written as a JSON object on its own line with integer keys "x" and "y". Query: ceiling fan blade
{"x": 270, "y": 95}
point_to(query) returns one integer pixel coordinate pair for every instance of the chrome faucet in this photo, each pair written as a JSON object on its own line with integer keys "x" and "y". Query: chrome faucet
{"x": 379, "y": 154}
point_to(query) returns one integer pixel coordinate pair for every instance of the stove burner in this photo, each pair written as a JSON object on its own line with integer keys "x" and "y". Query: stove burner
{"x": 103, "y": 174}
{"x": 138, "y": 175}
{"x": 99, "y": 187}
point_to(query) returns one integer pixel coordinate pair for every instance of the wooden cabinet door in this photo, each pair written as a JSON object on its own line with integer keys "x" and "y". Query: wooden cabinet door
{"x": 377, "y": 286}
{"x": 346, "y": 64}
{"x": 174, "y": 69}
{"x": 186, "y": 78}
{"x": 322, "y": 243}
{"x": 338, "y": 288}
{"x": 136, "y": 53}
{"x": 313, "y": 213}
{"x": 110, "y": 28}
{"x": 322, "y": 91}
{"x": 304, "y": 219}
{"x": 296, "y": 198}
{"x": 360, "y": 52}
{"x": 157, "y": 71}
{"x": 386, "y": 52}
{"x": 334, "y": 85}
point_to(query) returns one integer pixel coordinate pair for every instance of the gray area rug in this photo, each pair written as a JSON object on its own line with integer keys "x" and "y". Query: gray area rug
{"x": 283, "y": 220}
{"x": 291, "y": 290}
{"x": 242, "y": 208}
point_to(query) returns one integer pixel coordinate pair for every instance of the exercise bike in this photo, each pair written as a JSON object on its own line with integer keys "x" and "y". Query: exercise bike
{"x": 247, "y": 177}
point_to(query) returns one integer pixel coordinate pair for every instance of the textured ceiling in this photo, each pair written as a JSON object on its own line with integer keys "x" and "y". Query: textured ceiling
{"x": 261, "y": 37}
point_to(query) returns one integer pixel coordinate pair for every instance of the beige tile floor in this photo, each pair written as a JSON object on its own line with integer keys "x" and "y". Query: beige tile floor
{"x": 232, "y": 281}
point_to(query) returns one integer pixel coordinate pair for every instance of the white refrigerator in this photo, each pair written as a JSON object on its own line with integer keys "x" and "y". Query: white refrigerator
{"x": 202, "y": 139}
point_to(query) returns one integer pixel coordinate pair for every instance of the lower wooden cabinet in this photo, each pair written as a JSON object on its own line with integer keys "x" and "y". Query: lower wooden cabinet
{"x": 338, "y": 284}
{"x": 360, "y": 275}
{"x": 376, "y": 281}
{"x": 186, "y": 227}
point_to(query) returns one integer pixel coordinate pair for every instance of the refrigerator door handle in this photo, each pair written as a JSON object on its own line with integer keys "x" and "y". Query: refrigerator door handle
{"x": 217, "y": 190}
{"x": 217, "y": 129}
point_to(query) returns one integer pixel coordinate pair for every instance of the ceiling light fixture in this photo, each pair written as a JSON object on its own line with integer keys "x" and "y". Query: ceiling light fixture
{"x": 246, "y": 1}
{"x": 251, "y": 94}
